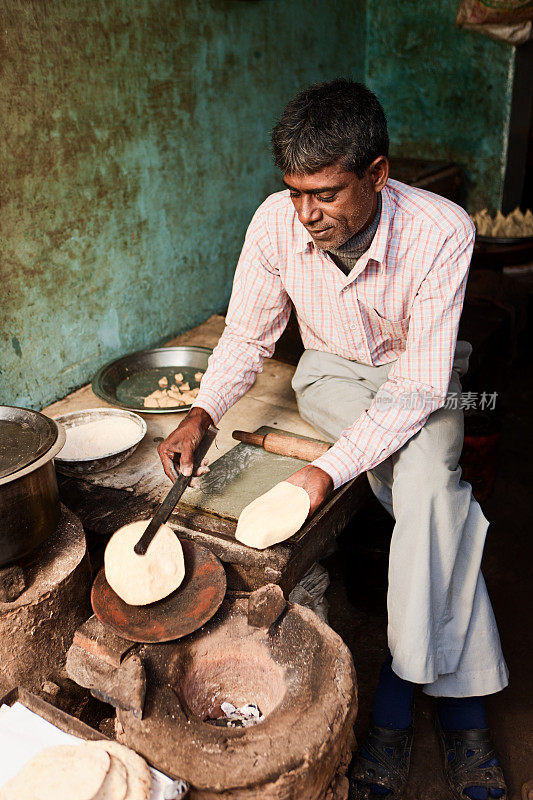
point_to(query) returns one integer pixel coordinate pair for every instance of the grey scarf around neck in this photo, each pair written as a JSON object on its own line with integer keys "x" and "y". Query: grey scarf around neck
{"x": 346, "y": 256}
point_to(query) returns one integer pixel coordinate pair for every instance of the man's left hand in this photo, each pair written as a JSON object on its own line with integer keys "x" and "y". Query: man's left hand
{"x": 317, "y": 483}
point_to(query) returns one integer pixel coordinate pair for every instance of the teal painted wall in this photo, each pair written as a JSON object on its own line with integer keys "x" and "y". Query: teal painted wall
{"x": 134, "y": 149}
{"x": 446, "y": 91}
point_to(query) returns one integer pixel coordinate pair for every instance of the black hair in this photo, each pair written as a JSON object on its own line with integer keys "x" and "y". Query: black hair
{"x": 337, "y": 121}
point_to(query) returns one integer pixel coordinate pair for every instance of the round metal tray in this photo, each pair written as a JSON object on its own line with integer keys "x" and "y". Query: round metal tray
{"x": 128, "y": 380}
{"x": 25, "y": 436}
{"x": 182, "y": 612}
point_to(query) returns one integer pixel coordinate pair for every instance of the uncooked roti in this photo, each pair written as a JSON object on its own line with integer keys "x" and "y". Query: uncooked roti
{"x": 138, "y": 772}
{"x": 60, "y": 773}
{"x": 115, "y": 783}
{"x": 140, "y": 580}
{"x": 274, "y": 516}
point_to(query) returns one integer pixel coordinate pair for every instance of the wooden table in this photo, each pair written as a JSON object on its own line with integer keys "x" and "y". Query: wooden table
{"x": 107, "y": 500}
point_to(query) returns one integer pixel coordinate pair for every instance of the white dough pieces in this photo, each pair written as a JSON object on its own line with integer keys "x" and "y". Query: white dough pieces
{"x": 274, "y": 516}
{"x": 140, "y": 580}
{"x": 60, "y": 773}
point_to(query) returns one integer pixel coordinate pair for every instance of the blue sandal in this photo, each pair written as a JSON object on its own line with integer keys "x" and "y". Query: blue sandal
{"x": 464, "y": 753}
{"x": 391, "y": 750}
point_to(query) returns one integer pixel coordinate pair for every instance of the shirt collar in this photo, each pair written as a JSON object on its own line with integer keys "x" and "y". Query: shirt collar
{"x": 377, "y": 249}
{"x": 302, "y": 239}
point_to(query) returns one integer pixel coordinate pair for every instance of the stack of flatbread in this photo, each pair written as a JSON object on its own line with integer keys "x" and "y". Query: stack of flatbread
{"x": 102, "y": 770}
{"x": 514, "y": 225}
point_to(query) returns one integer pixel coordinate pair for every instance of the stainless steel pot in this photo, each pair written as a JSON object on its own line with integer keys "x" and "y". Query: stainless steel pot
{"x": 29, "y": 497}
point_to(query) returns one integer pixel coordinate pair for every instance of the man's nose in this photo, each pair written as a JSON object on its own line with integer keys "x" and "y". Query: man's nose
{"x": 309, "y": 210}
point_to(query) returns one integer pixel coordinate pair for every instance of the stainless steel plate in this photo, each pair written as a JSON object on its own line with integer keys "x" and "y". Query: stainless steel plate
{"x": 24, "y": 437}
{"x": 128, "y": 380}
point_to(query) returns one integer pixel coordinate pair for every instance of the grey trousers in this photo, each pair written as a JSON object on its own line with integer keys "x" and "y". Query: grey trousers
{"x": 441, "y": 627}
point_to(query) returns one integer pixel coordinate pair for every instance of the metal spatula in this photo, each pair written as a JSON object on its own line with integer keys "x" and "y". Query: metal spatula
{"x": 169, "y": 503}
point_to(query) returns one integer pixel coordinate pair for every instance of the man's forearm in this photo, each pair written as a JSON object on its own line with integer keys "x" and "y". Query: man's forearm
{"x": 399, "y": 410}
{"x": 258, "y": 311}
{"x": 232, "y": 370}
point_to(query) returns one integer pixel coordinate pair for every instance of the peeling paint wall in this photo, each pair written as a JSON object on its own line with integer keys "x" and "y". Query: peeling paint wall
{"x": 446, "y": 91}
{"x": 134, "y": 148}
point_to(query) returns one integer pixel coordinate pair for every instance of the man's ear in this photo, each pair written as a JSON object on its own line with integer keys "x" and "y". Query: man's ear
{"x": 379, "y": 172}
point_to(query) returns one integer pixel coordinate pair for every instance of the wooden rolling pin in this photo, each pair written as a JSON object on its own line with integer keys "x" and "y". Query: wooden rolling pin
{"x": 291, "y": 446}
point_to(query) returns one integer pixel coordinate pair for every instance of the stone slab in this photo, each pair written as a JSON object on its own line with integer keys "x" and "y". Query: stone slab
{"x": 238, "y": 477}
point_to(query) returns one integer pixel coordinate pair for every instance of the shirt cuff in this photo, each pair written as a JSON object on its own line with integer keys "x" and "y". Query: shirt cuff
{"x": 340, "y": 465}
{"x": 212, "y": 404}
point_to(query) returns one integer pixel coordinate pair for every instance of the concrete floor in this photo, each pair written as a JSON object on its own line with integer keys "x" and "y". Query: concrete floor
{"x": 507, "y": 567}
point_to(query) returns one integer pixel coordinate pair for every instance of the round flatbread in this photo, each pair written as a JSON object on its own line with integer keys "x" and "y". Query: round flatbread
{"x": 115, "y": 785}
{"x": 139, "y": 778}
{"x": 60, "y": 773}
{"x": 274, "y": 516}
{"x": 140, "y": 580}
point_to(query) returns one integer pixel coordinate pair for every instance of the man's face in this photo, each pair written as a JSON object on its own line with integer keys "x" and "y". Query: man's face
{"x": 334, "y": 205}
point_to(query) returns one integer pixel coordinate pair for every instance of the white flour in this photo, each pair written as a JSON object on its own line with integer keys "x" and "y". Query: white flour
{"x": 99, "y": 438}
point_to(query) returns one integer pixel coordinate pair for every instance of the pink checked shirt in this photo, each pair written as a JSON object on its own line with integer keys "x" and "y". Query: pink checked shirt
{"x": 400, "y": 303}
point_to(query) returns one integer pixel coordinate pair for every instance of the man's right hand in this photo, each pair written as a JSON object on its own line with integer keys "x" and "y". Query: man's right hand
{"x": 177, "y": 451}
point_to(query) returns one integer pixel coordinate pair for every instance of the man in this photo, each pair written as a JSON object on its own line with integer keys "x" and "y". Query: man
{"x": 376, "y": 271}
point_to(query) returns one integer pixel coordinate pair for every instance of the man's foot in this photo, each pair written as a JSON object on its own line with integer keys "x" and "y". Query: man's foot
{"x": 470, "y": 763}
{"x": 391, "y": 722}
{"x": 381, "y": 766}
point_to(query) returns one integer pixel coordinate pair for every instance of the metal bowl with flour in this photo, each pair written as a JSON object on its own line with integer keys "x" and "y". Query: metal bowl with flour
{"x": 102, "y": 454}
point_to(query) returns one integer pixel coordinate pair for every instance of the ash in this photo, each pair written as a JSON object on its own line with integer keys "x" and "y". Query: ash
{"x": 229, "y": 716}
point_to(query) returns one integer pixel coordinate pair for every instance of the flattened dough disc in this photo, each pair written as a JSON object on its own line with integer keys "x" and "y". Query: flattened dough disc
{"x": 182, "y": 612}
{"x": 137, "y": 770}
{"x": 274, "y": 516}
{"x": 141, "y": 580}
{"x": 115, "y": 785}
{"x": 60, "y": 773}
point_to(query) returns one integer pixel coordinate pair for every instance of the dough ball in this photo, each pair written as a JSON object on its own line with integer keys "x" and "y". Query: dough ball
{"x": 151, "y": 402}
{"x": 137, "y": 770}
{"x": 167, "y": 402}
{"x": 274, "y": 516}
{"x": 163, "y": 382}
{"x": 187, "y": 397}
{"x": 60, "y": 773}
{"x": 198, "y": 376}
{"x": 140, "y": 580}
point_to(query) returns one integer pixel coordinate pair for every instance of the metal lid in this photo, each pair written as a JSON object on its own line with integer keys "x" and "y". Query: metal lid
{"x": 25, "y": 436}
